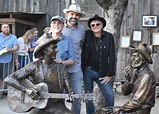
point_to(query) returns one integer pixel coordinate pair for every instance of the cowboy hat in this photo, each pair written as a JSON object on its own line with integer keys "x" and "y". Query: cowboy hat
{"x": 96, "y": 17}
{"x": 145, "y": 50}
{"x": 75, "y": 8}
{"x": 38, "y": 53}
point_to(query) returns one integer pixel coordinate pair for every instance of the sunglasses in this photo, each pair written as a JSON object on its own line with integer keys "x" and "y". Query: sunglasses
{"x": 93, "y": 25}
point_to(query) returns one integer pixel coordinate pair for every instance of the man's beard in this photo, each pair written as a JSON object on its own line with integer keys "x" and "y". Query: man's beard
{"x": 6, "y": 32}
{"x": 73, "y": 21}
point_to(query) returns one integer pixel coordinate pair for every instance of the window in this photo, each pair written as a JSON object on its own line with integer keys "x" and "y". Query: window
{"x": 90, "y": 8}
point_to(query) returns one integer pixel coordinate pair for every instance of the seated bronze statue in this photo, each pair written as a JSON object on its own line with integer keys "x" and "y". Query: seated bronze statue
{"x": 141, "y": 85}
{"x": 29, "y": 86}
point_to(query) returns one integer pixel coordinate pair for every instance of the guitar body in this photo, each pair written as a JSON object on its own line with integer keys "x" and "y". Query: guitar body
{"x": 20, "y": 102}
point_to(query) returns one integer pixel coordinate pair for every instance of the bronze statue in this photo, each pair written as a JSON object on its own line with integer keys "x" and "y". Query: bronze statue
{"x": 142, "y": 85}
{"x": 28, "y": 81}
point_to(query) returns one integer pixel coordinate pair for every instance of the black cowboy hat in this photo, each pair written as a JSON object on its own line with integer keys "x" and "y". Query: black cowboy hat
{"x": 96, "y": 17}
{"x": 145, "y": 50}
{"x": 38, "y": 53}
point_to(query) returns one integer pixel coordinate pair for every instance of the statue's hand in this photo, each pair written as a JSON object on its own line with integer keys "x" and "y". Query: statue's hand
{"x": 126, "y": 72}
{"x": 70, "y": 97}
{"x": 109, "y": 110}
{"x": 33, "y": 93}
{"x": 117, "y": 109}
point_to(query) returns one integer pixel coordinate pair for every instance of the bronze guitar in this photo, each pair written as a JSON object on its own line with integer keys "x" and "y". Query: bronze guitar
{"x": 20, "y": 102}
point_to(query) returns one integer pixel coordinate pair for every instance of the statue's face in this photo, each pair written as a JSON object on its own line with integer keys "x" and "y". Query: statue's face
{"x": 50, "y": 52}
{"x": 136, "y": 60}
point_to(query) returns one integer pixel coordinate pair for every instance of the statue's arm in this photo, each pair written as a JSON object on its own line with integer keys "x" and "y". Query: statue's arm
{"x": 69, "y": 89}
{"x": 127, "y": 86}
{"x": 67, "y": 82}
{"x": 15, "y": 78}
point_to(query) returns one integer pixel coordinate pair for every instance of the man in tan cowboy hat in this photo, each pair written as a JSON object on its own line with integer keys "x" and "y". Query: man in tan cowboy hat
{"x": 76, "y": 33}
{"x": 46, "y": 71}
{"x": 142, "y": 85}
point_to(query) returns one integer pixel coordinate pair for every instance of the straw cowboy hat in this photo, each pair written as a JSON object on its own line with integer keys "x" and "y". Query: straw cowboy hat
{"x": 96, "y": 17}
{"x": 75, "y": 8}
{"x": 38, "y": 53}
{"x": 145, "y": 50}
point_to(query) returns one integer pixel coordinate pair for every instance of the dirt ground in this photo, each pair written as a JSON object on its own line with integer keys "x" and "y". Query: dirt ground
{"x": 119, "y": 100}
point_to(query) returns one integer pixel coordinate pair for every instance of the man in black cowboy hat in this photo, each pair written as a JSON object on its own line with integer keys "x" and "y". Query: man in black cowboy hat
{"x": 43, "y": 70}
{"x": 142, "y": 85}
{"x": 98, "y": 61}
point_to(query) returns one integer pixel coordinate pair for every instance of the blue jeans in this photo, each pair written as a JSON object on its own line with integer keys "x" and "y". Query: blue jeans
{"x": 76, "y": 85}
{"x": 107, "y": 89}
{"x": 23, "y": 60}
{"x": 5, "y": 69}
{"x": 31, "y": 56}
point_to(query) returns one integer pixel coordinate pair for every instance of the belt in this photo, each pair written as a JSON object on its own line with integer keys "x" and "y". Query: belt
{"x": 94, "y": 69}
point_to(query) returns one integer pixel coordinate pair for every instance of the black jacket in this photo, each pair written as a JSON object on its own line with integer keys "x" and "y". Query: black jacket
{"x": 107, "y": 50}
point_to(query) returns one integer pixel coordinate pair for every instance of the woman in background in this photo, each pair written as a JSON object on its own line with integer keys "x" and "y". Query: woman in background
{"x": 22, "y": 56}
{"x": 33, "y": 43}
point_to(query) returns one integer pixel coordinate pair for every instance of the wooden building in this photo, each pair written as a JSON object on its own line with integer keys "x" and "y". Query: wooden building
{"x": 134, "y": 27}
{"x": 25, "y": 14}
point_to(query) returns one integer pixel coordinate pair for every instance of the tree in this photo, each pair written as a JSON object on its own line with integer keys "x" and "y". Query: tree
{"x": 114, "y": 15}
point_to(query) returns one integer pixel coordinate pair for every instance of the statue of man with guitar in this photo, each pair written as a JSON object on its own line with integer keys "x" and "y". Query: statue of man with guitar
{"x": 38, "y": 87}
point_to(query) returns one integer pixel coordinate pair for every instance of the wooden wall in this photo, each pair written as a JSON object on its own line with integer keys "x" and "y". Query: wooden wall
{"x": 35, "y": 11}
{"x": 54, "y": 7}
{"x": 133, "y": 21}
{"x": 29, "y": 6}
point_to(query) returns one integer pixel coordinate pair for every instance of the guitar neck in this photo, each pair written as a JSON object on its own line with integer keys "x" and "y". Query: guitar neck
{"x": 57, "y": 95}
{"x": 82, "y": 96}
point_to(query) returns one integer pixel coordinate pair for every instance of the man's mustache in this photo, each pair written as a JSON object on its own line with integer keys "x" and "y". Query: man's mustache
{"x": 74, "y": 19}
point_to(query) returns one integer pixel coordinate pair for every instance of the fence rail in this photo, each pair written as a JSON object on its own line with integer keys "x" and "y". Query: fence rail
{"x": 8, "y": 68}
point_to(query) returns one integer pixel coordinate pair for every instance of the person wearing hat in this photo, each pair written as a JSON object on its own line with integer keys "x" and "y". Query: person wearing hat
{"x": 43, "y": 70}
{"x": 65, "y": 54}
{"x": 98, "y": 61}
{"x": 76, "y": 33}
{"x": 141, "y": 85}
